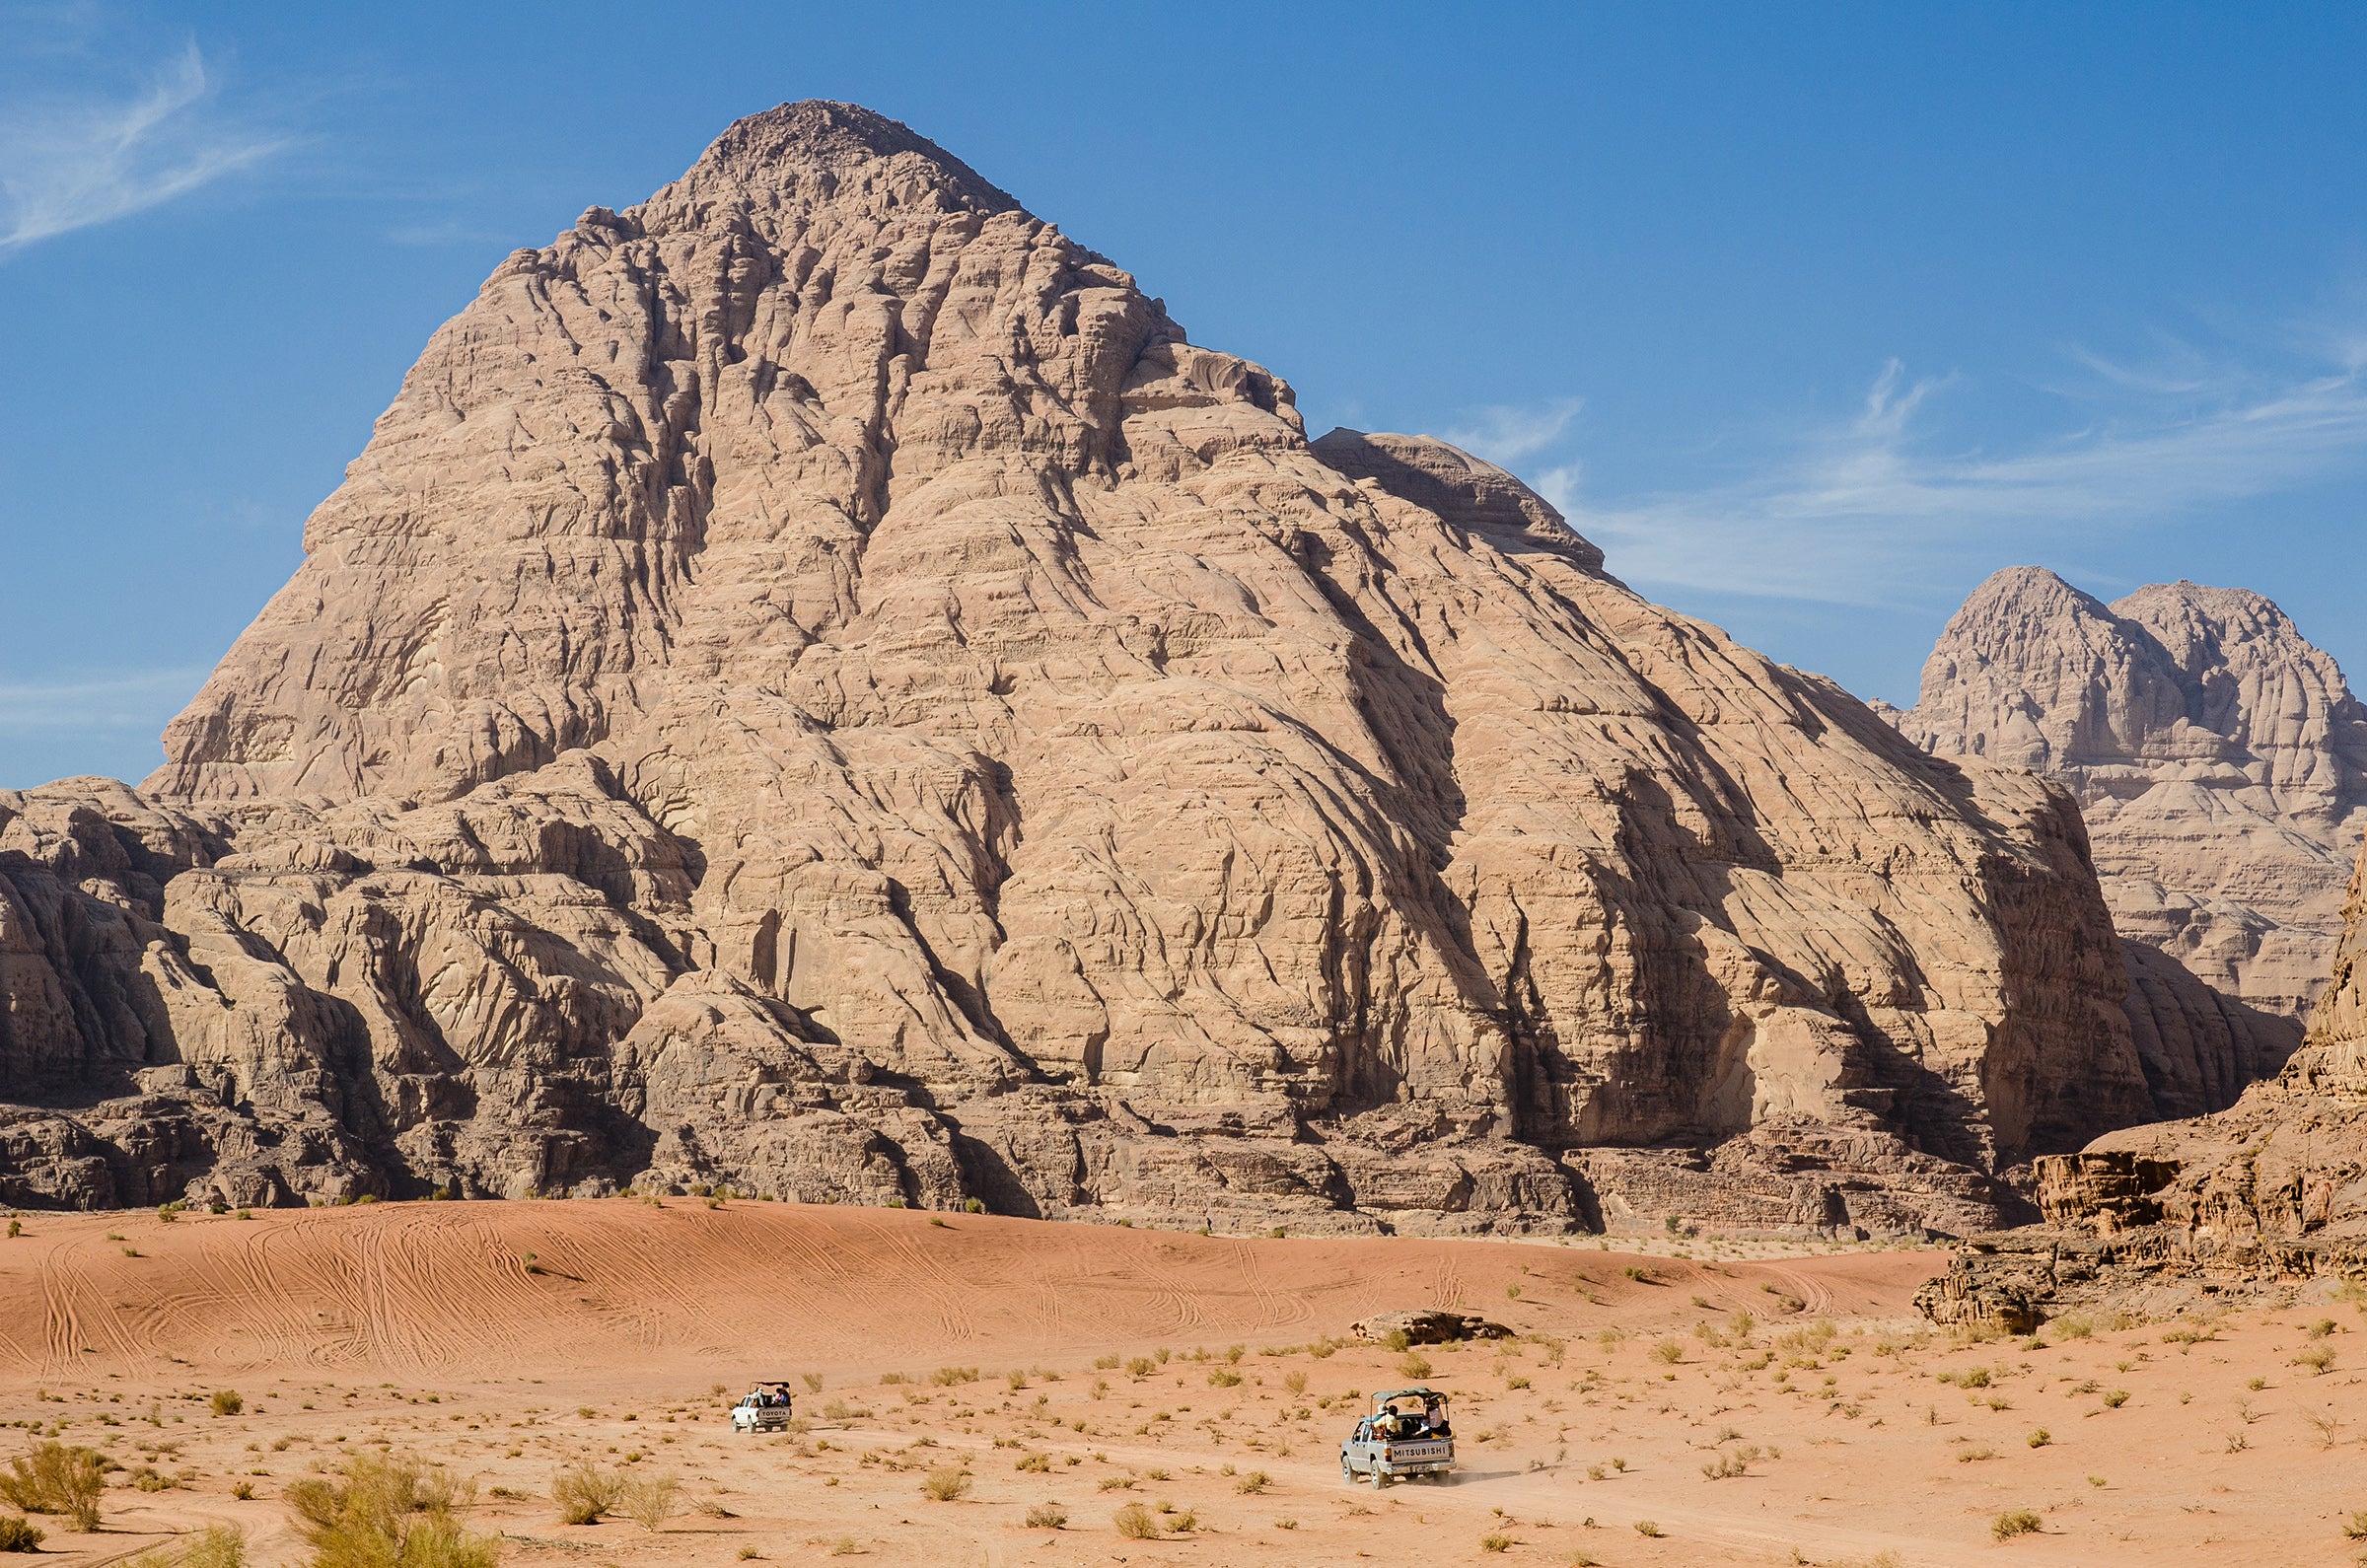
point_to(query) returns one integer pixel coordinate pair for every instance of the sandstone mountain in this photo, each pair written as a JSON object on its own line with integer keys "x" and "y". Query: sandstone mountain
{"x": 816, "y": 684}
{"x": 2221, "y": 763}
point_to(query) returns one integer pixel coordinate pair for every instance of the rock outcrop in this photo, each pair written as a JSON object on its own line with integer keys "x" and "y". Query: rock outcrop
{"x": 816, "y": 684}
{"x": 2221, "y": 763}
{"x": 2256, "y": 1198}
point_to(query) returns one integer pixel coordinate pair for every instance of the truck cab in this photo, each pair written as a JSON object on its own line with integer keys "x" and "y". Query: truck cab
{"x": 1406, "y": 1434}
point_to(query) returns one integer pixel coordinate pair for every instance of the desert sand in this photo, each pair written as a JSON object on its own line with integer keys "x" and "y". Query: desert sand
{"x": 1090, "y": 1367}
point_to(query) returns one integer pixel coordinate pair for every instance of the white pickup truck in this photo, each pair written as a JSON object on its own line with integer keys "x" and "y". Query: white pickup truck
{"x": 767, "y": 1408}
{"x": 1406, "y": 1434}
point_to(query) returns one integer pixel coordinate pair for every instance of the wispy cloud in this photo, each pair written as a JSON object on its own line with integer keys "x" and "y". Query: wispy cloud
{"x": 70, "y": 159}
{"x": 141, "y": 699}
{"x": 1861, "y": 511}
{"x": 1507, "y": 433}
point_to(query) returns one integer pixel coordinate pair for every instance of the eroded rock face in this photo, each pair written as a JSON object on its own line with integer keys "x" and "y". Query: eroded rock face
{"x": 816, "y": 684}
{"x": 2267, "y": 1193}
{"x": 2221, "y": 763}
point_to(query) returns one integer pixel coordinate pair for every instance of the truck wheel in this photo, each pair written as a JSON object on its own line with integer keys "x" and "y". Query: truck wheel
{"x": 1380, "y": 1478}
{"x": 1347, "y": 1471}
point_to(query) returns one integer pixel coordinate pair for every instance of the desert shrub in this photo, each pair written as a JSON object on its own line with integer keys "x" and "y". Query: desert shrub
{"x": 1671, "y": 1351}
{"x": 57, "y": 1479}
{"x": 651, "y": 1501}
{"x": 946, "y": 1484}
{"x": 1496, "y": 1543}
{"x": 1415, "y": 1366}
{"x": 1397, "y": 1340}
{"x": 19, "y": 1535}
{"x": 219, "y": 1546}
{"x": 226, "y": 1401}
{"x": 387, "y": 1511}
{"x": 812, "y": 1380}
{"x": 2355, "y": 1528}
{"x": 1136, "y": 1523}
{"x": 2021, "y": 1522}
{"x": 585, "y": 1492}
{"x": 1645, "y": 1527}
{"x": 2317, "y": 1358}
{"x": 2041, "y": 1437}
{"x": 1227, "y": 1377}
{"x": 1295, "y": 1382}
{"x": 1252, "y": 1483}
{"x": 974, "y": 1205}
{"x": 1141, "y": 1367}
{"x": 1032, "y": 1461}
{"x": 1047, "y": 1515}
{"x": 2116, "y": 1398}
{"x": 948, "y": 1376}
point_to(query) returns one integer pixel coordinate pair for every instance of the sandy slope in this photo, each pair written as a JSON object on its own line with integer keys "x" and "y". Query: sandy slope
{"x": 422, "y": 1329}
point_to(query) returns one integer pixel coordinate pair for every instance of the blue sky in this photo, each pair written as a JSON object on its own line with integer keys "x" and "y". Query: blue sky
{"x": 1812, "y": 316}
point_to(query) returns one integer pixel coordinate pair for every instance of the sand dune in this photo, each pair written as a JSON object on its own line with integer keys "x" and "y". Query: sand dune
{"x": 447, "y": 1289}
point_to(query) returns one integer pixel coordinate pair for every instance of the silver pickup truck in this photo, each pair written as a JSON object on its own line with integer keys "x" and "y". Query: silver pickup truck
{"x": 1406, "y": 1434}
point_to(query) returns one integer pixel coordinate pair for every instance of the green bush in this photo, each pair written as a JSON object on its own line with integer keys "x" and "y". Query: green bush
{"x": 57, "y": 1479}
{"x": 381, "y": 1512}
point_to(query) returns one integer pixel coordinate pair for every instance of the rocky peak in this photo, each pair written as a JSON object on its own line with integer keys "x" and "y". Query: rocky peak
{"x": 2218, "y": 755}
{"x": 1469, "y": 492}
{"x": 816, "y": 147}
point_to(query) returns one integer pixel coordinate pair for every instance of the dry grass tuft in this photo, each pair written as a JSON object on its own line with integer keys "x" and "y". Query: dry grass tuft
{"x": 585, "y": 1492}
{"x": 651, "y": 1501}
